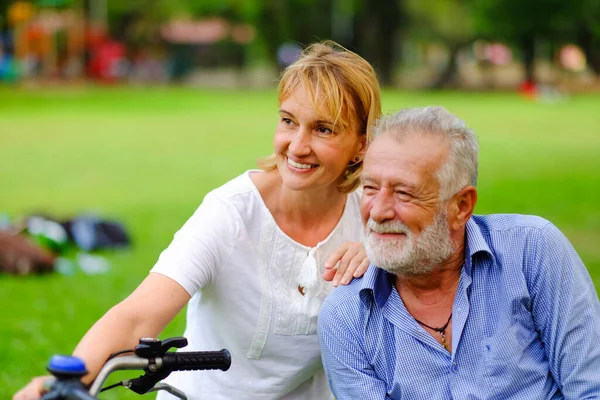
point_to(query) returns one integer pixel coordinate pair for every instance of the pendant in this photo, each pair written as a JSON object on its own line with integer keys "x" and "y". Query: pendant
{"x": 301, "y": 290}
{"x": 444, "y": 342}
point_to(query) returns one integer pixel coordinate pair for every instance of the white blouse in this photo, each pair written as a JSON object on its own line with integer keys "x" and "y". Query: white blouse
{"x": 243, "y": 274}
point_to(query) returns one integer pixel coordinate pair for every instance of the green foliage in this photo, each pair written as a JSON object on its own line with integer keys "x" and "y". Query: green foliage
{"x": 591, "y": 13}
{"x": 449, "y": 21}
{"x": 513, "y": 19}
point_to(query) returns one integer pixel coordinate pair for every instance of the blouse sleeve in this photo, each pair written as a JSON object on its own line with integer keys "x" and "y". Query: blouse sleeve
{"x": 202, "y": 246}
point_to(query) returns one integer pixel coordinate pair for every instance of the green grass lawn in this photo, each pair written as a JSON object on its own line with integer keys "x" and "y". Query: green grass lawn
{"x": 148, "y": 156}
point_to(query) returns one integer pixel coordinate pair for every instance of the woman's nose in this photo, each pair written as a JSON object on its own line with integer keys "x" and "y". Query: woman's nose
{"x": 300, "y": 143}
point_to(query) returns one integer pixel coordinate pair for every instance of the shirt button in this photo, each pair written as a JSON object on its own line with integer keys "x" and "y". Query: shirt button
{"x": 454, "y": 367}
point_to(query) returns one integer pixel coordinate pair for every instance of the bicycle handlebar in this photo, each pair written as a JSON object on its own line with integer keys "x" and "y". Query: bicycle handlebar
{"x": 197, "y": 360}
{"x": 151, "y": 355}
{"x": 180, "y": 361}
{"x": 68, "y": 391}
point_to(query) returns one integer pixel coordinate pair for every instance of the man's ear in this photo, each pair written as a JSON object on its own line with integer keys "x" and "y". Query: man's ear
{"x": 463, "y": 206}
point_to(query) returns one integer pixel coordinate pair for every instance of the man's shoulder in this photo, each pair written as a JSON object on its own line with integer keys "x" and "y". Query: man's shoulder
{"x": 346, "y": 293}
{"x": 504, "y": 231}
{"x": 506, "y": 222}
{"x": 345, "y": 299}
{"x": 521, "y": 241}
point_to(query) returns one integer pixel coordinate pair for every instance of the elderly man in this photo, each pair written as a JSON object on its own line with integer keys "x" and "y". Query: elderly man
{"x": 455, "y": 305}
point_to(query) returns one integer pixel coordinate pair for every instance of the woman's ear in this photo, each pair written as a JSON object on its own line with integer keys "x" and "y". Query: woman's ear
{"x": 362, "y": 149}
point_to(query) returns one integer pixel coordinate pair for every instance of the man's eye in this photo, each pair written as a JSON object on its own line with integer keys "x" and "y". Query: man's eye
{"x": 368, "y": 188}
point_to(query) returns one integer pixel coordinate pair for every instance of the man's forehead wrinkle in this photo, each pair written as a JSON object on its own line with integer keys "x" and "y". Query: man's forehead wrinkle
{"x": 411, "y": 162}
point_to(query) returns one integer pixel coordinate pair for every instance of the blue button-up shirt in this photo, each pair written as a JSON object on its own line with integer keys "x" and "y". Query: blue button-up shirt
{"x": 526, "y": 325}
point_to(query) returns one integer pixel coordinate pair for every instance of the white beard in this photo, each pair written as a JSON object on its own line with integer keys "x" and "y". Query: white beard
{"x": 409, "y": 255}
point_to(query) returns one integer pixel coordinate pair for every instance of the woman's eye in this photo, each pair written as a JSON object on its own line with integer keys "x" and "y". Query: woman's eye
{"x": 324, "y": 131}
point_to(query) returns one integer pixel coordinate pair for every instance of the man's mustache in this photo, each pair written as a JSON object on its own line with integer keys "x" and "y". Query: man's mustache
{"x": 394, "y": 226}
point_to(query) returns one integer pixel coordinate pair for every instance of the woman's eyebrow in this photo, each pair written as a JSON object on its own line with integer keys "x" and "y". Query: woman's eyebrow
{"x": 317, "y": 122}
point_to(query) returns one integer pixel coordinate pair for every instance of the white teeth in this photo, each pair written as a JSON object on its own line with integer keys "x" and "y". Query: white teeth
{"x": 298, "y": 165}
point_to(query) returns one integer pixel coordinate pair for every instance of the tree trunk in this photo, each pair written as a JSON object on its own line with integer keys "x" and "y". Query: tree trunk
{"x": 527, "y": 43}
{"x": 389, "y": 21}
{"x": 376, "y": 27}
{"x": 585, "y": 39}
{"x": 448, "y": 78}
{"x": 270, "y": 26}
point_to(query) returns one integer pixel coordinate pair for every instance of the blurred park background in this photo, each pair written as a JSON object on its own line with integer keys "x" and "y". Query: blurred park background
{"x": 474, "y": 44}
{"x": 133, "y": 110}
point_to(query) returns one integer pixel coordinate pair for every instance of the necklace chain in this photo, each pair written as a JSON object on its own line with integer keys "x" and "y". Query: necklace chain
{"x": 441, "y": 330}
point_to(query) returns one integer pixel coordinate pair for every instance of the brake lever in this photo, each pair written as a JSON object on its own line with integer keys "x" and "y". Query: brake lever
{"x": 144, "y": 383}
{"x": 169, "y": 389}
{"x": 152, "y": 348}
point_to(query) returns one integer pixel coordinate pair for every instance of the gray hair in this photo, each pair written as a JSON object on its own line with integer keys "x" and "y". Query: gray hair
{"x": 460, "y": 170}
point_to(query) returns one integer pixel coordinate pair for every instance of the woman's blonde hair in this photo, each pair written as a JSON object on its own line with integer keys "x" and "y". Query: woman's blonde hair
{"x": 342, "y": 87}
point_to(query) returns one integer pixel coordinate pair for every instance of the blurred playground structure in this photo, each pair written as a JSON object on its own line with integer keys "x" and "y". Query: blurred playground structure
{"x": 470, "y": 44}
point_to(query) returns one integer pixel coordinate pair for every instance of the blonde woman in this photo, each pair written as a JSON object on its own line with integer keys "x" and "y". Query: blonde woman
{"x": 256, "y": 260}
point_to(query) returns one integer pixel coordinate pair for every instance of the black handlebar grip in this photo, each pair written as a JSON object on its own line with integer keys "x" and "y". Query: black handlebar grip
{"x": 197, "y": 360}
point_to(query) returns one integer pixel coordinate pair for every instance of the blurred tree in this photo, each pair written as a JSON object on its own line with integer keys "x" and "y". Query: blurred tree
{"x": 523, "y": 23}
{"x": 138, "y": 21}
{"x": 446, "y": 21}
{"x": 587, "y": 31}
{"x": 378, "y": 25}
{"x": 276, "y": 21}
{"x": 368, "y": 27}
{"x": 301, "y": 21}
{"x": 3, "y": 11}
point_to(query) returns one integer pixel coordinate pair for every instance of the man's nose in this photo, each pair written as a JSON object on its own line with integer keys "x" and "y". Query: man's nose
{"x": 382, "y": 207}
{"x": 300, "y": 143}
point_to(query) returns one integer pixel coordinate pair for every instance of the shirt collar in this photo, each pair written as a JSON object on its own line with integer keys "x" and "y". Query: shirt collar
{"x": 475, "y": 243}
{"x": 377, "y": 283}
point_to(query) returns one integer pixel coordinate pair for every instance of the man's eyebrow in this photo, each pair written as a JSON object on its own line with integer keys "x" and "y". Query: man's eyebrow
{"x": 365, "y": 179}
{"x": 405, "y": 185}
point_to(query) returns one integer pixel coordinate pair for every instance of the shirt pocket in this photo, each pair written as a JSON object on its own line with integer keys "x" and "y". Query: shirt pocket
{"x": 510, "y": 356}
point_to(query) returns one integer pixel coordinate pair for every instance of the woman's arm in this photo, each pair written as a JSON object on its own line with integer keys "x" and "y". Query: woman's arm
{"x": 145, "y": 313}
